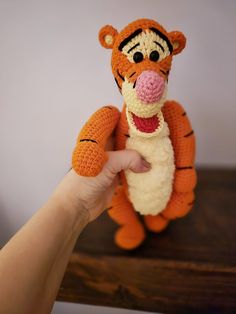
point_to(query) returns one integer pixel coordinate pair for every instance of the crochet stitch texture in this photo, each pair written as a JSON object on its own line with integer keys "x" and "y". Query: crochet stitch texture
{"x": 158, "y": 129}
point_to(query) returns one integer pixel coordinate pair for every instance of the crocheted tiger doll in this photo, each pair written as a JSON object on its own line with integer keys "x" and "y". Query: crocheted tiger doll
{"x": 158, "y": 129}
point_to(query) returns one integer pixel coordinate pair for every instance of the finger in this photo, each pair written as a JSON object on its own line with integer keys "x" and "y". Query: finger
{"x": 126, "y": 159}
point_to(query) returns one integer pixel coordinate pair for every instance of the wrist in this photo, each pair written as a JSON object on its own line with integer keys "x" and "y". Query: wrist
{"x": 66, "y": 201}
{"x": 76, "y": 216}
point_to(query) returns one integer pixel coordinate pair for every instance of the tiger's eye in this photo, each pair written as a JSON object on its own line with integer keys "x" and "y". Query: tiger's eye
{"x": 138, "y": 57}
{"x": 154, "y": 56}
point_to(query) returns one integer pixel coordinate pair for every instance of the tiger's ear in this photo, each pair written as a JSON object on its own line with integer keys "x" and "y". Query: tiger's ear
{"x": 107, "y": 36}
{"x": 178, "y": 41}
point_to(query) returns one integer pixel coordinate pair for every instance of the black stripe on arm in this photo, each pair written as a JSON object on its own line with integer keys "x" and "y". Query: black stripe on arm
{"x": 156, "y": 31}
{"x": 184, "y": 168}
{"x": 88, "y": 140}
{"x": 189, "y": 134}
{"x": 133, "y": 47}
{"x": 158, "y": 44}
{"x": 126, "y": 40}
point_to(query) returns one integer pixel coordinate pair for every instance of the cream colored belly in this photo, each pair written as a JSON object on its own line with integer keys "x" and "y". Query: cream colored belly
{"x": 150, "y": 192}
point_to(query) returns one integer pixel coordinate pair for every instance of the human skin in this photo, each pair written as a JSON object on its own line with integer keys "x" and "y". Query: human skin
{"x": 33, "y": 262}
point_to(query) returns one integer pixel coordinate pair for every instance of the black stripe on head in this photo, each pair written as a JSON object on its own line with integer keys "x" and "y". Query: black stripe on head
{"x": 117, "y": 83}
{"x": 163, "y": 72}
{"x": 158, "y": 44}
{"x": 133, "y": 47}
{"x": 122, "y": 77}
{"x": 126, "y": 40}
{"x": 156, "y": 31}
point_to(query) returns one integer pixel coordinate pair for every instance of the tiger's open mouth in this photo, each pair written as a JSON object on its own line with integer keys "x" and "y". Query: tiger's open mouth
{"x": 146, "y": 127}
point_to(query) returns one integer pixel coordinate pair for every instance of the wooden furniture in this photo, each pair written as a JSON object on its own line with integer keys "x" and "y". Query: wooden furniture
{"x": 189, "y": 268}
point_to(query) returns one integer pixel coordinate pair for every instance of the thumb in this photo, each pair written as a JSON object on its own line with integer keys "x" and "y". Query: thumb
{"x": 126, "y": 159}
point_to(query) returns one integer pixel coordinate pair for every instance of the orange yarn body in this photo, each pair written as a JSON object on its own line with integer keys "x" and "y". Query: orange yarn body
{"x": 89, "y": 155}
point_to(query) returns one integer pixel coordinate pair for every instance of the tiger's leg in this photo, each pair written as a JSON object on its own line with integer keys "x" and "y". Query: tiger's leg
{"x": 131, "y": 233}
{"x": 156, "y": 223}
{"x": 179, "y": 205}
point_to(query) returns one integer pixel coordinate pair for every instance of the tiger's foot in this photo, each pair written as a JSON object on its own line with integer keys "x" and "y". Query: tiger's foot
{"x": 156, "y": 223}
{"x": 130, "y": 236}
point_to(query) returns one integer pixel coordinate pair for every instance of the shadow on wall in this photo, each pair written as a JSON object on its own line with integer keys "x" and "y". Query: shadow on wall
{"x": 5, "y": 226}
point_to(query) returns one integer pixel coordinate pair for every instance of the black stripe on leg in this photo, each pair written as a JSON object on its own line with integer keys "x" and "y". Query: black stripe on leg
{"x": 108, "y": 208}
{"x": 88, "y": 140}
{"x": 189, "y": 134}
{"x": 162, "y": 216}
{"x": 184, "y": 168}
{"x": 191, "y": 203}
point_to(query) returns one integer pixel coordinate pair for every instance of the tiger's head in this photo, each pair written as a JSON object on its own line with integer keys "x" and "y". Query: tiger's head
{"x": 141, "y": 61}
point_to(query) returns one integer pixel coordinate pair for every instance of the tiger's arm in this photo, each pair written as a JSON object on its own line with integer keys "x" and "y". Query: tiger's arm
{"x": 183, "y": 141}
{"x": 89, "y": 155}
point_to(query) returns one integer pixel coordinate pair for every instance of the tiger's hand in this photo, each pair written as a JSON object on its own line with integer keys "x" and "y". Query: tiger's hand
{"x": 88, "y": 159}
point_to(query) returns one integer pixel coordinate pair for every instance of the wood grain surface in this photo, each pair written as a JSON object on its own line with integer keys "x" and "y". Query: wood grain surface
{"x": 189, "y": 268}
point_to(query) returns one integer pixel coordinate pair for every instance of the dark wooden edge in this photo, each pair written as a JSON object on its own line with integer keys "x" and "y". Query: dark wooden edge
{"x": 149, "y": 285}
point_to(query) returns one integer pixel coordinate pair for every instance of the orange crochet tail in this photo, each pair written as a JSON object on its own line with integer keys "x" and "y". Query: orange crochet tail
{"x": 89, "y": 154}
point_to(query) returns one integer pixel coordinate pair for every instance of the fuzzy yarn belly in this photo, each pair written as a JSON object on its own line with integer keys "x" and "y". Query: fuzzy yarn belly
{"x": 150, "y": 192}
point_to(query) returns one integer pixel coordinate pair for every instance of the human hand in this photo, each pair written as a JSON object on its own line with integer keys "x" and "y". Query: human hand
{"x": 95, "y": 193}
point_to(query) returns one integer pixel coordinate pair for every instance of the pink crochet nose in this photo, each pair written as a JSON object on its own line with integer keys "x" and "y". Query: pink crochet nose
{"x": 149, "y": 87}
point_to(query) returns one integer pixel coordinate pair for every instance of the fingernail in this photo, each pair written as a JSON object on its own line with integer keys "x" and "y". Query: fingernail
{"x": 145, "y": 164}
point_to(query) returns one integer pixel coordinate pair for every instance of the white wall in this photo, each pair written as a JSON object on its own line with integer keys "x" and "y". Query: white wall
{"x": 54, "y": 74}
